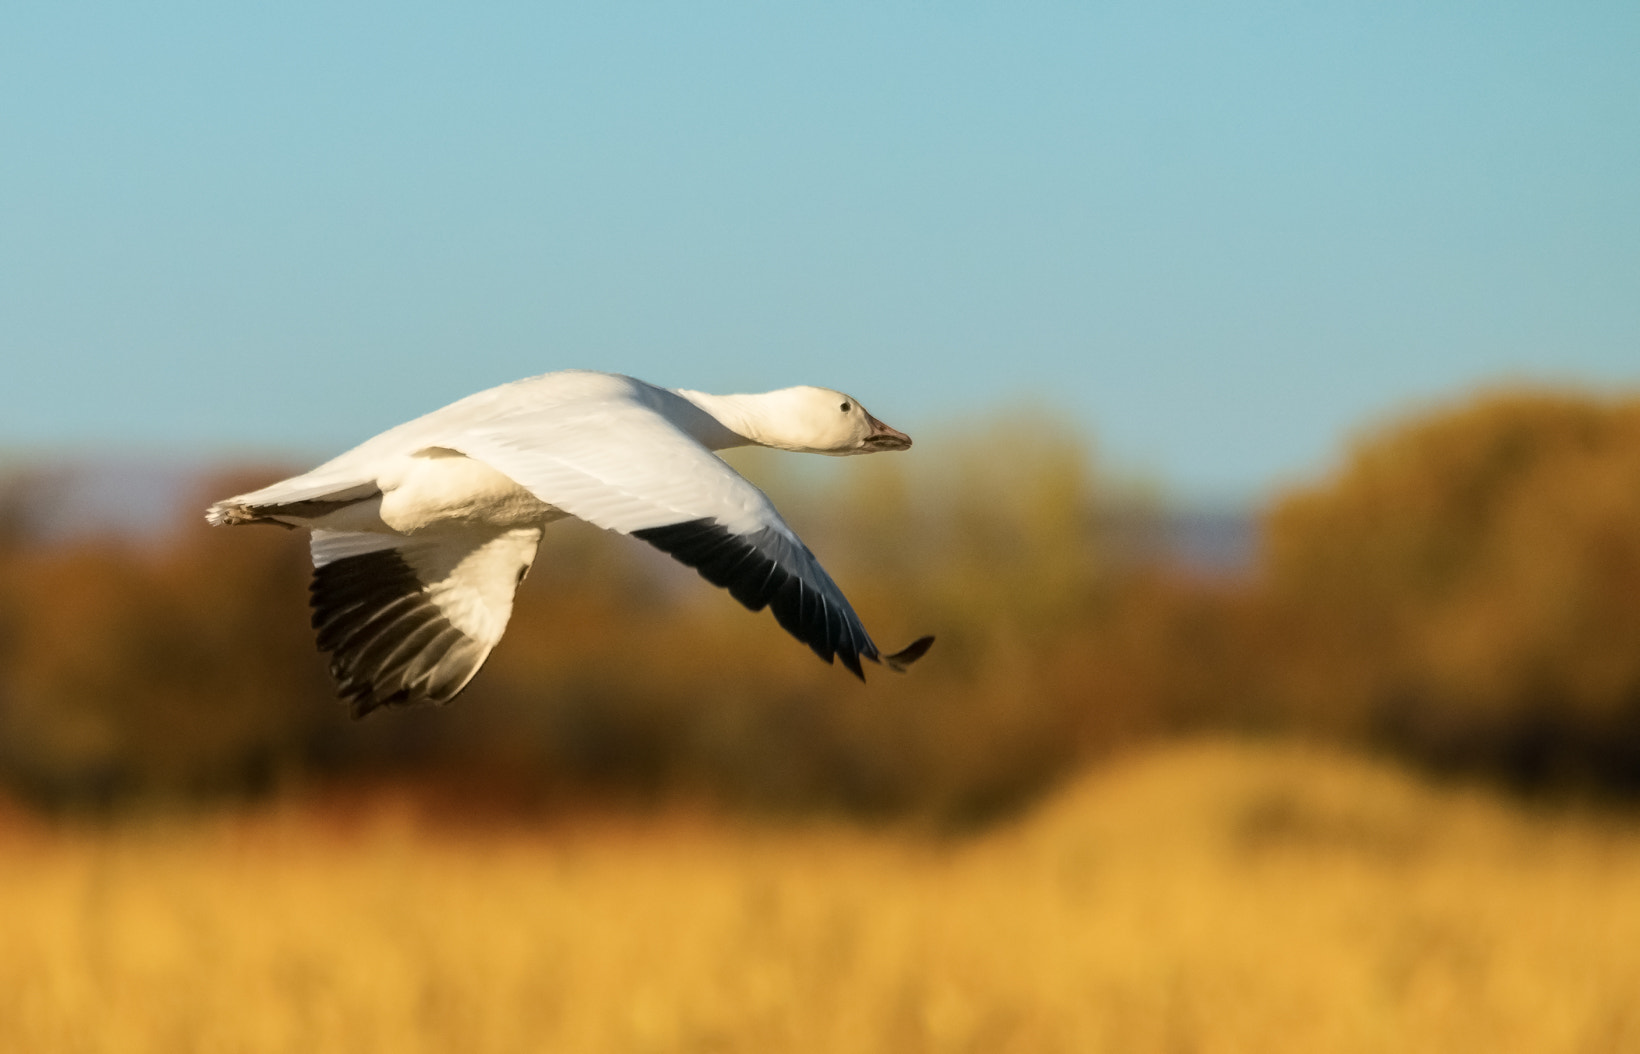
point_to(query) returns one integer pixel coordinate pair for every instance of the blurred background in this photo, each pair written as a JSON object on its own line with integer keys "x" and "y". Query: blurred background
{"x": 1275, "y": 376}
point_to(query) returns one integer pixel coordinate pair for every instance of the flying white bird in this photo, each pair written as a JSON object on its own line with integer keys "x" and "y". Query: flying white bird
{"x": 422, "y": 534}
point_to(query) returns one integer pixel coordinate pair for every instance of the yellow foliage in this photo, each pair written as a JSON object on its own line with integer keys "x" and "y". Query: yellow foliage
{"x": 1212, "y": 897}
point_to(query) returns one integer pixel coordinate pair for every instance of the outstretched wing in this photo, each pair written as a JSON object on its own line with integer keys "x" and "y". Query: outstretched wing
{"x": 621, "y": 463}
{"x": 409, "y": 619}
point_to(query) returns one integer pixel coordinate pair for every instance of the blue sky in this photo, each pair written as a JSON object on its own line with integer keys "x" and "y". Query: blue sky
{"x": 1216, "y": 237}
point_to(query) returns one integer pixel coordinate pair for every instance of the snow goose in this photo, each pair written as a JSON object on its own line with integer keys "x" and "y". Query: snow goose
{"x": 422, "y": 534}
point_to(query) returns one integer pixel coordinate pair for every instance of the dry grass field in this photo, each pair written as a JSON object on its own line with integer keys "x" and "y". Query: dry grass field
{"x": 1207, "y": 897}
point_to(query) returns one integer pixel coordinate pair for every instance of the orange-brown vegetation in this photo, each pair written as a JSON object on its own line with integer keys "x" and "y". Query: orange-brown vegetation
{"x": 1468, "y": 588}
{"x": 1465, "y": 588}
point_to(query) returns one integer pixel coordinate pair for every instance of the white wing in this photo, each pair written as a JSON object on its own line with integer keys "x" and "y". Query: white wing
{"x": 621, "y": 462}
{"x": 353, "y": 474}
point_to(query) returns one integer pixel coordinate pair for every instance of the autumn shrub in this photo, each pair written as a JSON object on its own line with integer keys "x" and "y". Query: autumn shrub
{"x": 128, "y": 669}
{"x": 1467, "y": 587}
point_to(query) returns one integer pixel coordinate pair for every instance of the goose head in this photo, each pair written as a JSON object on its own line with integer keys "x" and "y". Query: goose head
{"x": 823, "y": 421}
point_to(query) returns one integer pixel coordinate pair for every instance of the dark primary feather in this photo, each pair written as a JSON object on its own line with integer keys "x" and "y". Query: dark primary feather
{"x": 389, "y": 644}
{"x": 770, "y": 569}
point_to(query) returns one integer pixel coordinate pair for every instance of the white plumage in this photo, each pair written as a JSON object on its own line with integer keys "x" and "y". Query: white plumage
{"x": 422, "y": 534}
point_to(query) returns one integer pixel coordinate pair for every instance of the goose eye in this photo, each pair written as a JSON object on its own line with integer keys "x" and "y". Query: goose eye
{"x": 845, "y": 408}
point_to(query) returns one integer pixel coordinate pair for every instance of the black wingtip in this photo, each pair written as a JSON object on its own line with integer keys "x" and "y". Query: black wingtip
{"x": 909, "y": 654}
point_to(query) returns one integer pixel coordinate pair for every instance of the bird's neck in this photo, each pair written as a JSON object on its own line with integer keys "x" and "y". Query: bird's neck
{"x": 728, "y": 420}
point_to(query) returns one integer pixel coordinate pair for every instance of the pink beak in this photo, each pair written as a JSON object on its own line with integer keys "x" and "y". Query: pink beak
{"x": 883, "y": 437}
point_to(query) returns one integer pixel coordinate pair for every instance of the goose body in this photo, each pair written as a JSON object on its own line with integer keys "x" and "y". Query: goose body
{"x": 422, "y": 534}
